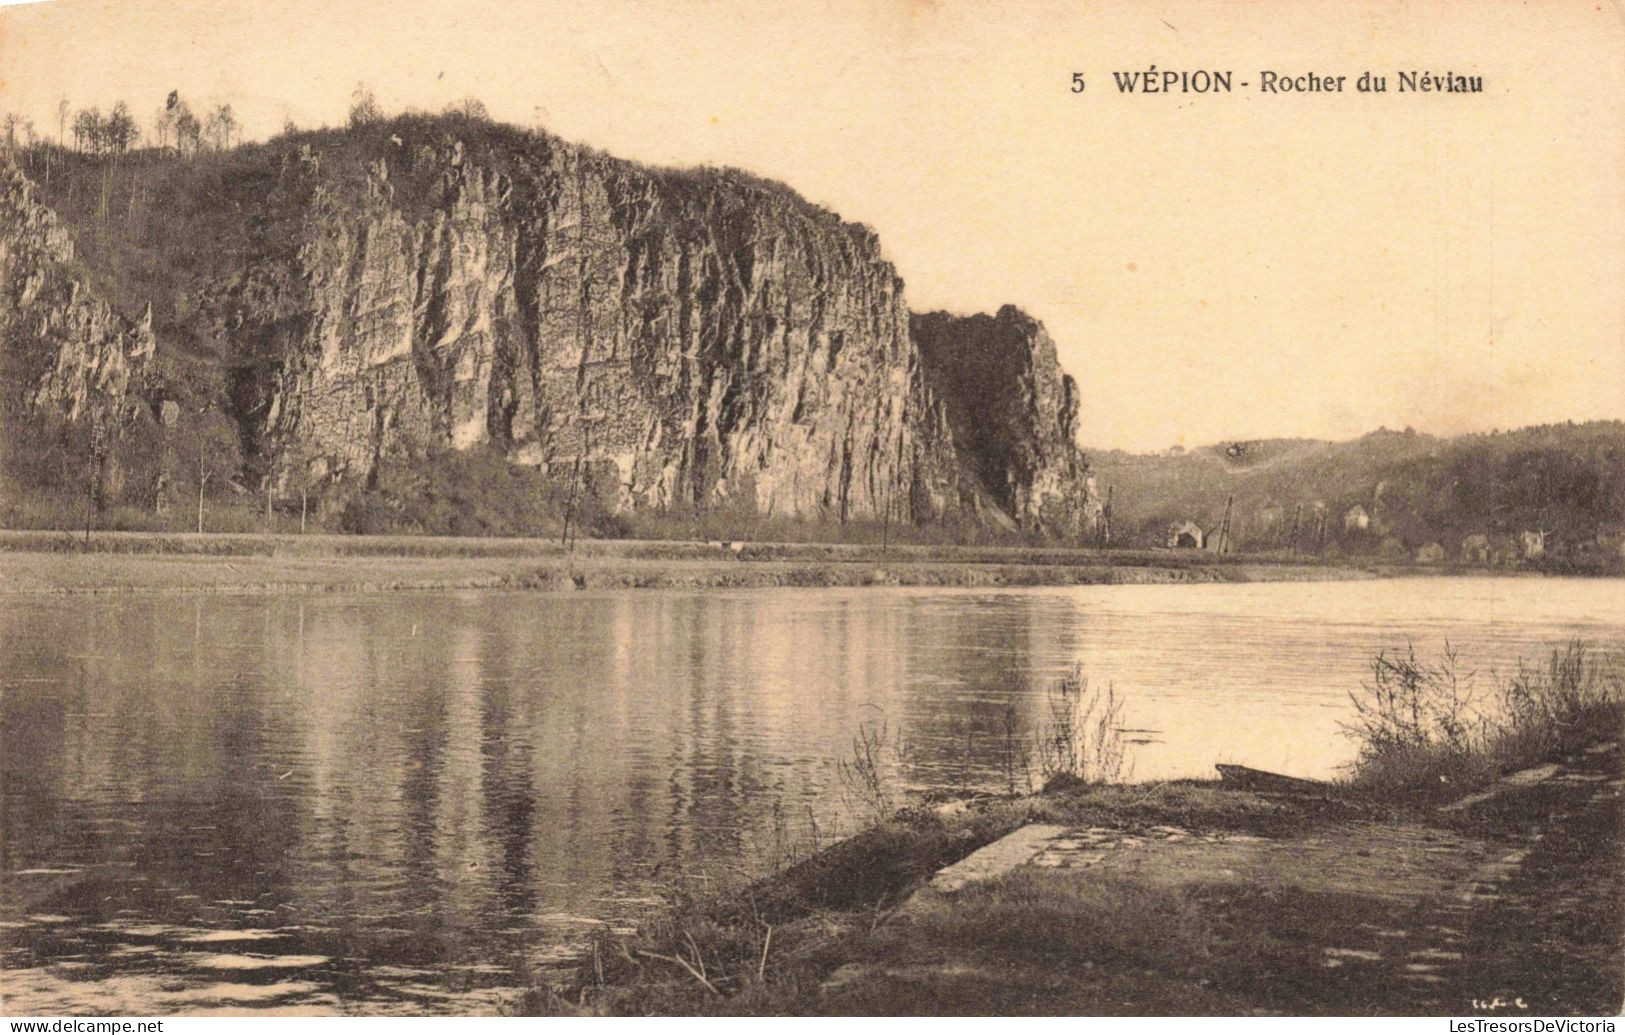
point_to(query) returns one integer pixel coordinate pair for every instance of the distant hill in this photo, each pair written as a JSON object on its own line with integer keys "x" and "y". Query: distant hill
{"x": 1565, "y": 479}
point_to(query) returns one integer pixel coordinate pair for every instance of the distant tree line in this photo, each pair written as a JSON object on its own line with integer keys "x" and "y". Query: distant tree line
{"x": 365, "y": 110}
{"x": 176, "y": 126}
{"x": 116, "y": 133}
{"x": 17, "y": 131}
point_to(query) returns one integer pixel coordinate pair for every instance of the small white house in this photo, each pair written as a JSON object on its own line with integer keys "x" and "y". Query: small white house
{"x": 1186, "y": 535}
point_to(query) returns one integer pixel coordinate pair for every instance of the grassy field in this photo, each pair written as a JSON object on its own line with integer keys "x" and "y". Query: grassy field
{"x": 227, "y": 562}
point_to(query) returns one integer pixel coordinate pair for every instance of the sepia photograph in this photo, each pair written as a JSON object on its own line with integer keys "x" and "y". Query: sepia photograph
{"x": 672, "y": 508}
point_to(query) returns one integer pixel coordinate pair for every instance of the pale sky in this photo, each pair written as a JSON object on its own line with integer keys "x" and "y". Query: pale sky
{"x": 1210, "y": 266}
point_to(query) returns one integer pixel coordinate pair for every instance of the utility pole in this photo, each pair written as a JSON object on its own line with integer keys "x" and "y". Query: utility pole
{"x": 202, "y": 480}
{"x": 1297, "y": 516}
{"x": 575, "y": 481}
{"x": 1106, "y": 517}
{"x": 1224, "y": 526}
{"x": 885, "y": 523}
{"x": 891, "y": 491}
{"x": 98, "y": 459}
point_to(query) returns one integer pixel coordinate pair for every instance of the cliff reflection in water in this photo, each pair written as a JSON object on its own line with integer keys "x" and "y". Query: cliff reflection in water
{"x": 413, "y": 802}
{"x": 404, "y": 781}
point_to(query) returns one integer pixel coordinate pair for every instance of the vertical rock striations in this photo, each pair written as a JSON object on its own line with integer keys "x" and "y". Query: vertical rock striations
{"x": 62, "y": 349}
{"x": 694, "y": 336}
{"x": 1013, "y": 414}
{"x": 697, "y": 336}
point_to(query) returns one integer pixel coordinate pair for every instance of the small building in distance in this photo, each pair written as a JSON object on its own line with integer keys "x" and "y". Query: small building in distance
{"x": 1186, "y": 535}
{"x": 1356, "y": 519}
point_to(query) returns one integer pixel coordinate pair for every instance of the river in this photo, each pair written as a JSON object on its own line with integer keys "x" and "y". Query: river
{"x": 409, "y": 803}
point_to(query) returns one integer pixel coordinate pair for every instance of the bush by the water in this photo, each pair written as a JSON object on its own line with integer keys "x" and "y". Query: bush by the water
{"x": 1081, "y": 742}
{"x": 1428, "y": 728}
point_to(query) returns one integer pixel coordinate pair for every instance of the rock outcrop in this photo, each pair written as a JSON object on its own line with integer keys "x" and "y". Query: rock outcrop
{"x": 1013, "y": 415}
{"x": 62, "y": 349}
{"x": 692, "y": 335}
{"x": 685, "y": 336}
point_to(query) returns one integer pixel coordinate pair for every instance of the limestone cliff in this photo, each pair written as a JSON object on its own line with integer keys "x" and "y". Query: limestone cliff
{"x": 1013, "y": 414}
{"x": 693, "y": 335}
{"x": 62, "y": 348}
{"x": 698, "y": 335}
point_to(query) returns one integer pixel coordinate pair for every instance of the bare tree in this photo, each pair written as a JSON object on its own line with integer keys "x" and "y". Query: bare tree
{"x": 218, "y": 127}
{"x": 87, "y": 130}
{"x": 120, "y": 129}
{"x": 165, "y": 121}
{"x": 305, "y": 473}
{"x": 364, "y": 108}
{"x": 188, "y": 131}
{"x": 10, "y": 124}
{"x": 62, "y": 122}
{"x": 228, "y": 123}
{"x": 469, "y": 108}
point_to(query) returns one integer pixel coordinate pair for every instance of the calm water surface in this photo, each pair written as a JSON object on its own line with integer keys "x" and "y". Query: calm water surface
{"x": 421, "y": 803}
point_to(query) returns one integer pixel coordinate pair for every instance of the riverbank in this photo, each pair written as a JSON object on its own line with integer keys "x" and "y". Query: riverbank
{"x": 1470, "y": 863}
{"x": 39, "y": 562}
{"x": 1177, "y": 898}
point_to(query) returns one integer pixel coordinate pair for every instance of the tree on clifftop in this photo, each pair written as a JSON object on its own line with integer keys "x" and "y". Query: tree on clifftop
{"x": 469, "y": 108}
{"x": 221, "y": 124}
{"x": 120, "y": 130}
{"x": 188, "y": 131}
{"x": 87, "y": 130}
{"x": 364, "y": 108}
{"x": 11, "y": 124}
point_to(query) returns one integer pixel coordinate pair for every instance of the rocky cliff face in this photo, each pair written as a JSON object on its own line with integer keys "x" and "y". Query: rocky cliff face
{"x": 1013, "y": 415}
{"x": 691, "y": 336}
{"x": 686, "y": 336}
{"x": 62, "y": 349}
